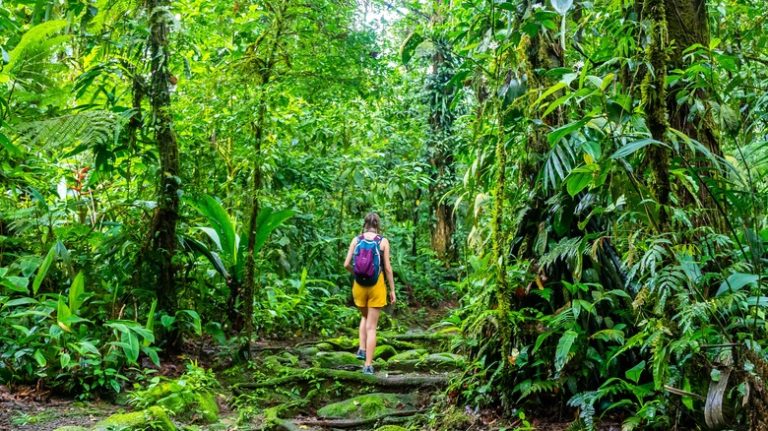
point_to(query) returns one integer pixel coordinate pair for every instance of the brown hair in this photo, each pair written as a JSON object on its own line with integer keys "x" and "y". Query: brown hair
{"x": 372, "y": 221}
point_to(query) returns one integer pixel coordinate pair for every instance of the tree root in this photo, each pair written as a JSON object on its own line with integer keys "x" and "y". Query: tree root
{"x": 307, "y": 375}
{"x": 392, "y": 417}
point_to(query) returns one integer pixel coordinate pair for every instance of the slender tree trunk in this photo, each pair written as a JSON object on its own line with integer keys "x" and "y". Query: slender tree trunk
{"x": 163, "y": 231}
{"x": 687, "y": 25}
{"x": 440, "y": 145}
{"x": 259, "y": 125}
{"x": 655, "y": 104}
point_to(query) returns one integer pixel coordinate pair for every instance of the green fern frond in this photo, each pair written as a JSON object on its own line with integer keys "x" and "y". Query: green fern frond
{"x": 531, "y": 387}
{"x": 35, "y": 47}
{"x": 86, "y": 128}
{"x": 559, "y": 164}
{"x": 566, "y": 249}
{"x": 111, "y": 11}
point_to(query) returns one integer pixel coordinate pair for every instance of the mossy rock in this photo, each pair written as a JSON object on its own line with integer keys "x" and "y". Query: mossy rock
{"x": 153, "y": 418}
{"x": 344, "y": 343}
{"x": 71, "y": 428}
{"x": 288, "y": 358}
{"x": 308, "y": 352}
{"x": 408, "y": 355}
{"x": 182, "y": 402}
{"x": 391, "y": 428}
{"x": 445, "y": 360}
{"x": 207, "y": 407}
{"x": 336, "y": 360}
{"x": 454, "y": 418}
{"x": 363, "y": 406}
{"x": 324, "y": 347}
{"x": 384, "y": 352}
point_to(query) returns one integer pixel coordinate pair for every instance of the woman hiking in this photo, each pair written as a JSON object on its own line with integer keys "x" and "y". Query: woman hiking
{"x": 368, "y": 260}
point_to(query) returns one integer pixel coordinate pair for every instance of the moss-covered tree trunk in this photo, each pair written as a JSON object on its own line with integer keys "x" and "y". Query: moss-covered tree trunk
{"x": 655, "y": 104}
{"x": 265, "y": 74}
{"x": 687, "y": 25}
{"x": 440, "y": 145}
{"x": 163, "y": 230}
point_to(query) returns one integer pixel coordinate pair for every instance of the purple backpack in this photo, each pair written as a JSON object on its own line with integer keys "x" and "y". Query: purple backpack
{"x": 367, "y": 260}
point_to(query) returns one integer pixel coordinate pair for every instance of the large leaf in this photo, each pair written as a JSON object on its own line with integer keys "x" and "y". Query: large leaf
{"x": 221, "y": 223}
{"x": 633, "y": 147}
{"x": 736, "y": 282}
{"x": 63, "y": 313}
{"x": 564, "y": 349}
{"x": 76, "y": 291}
{"x": 409, "y": 46}
{"x": 43, "y": 270}
{"x": 196, "y": 246}
{"x": 267, "y": 221}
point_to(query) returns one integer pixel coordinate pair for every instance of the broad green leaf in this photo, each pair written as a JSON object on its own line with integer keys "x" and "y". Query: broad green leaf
{"x": 551, "y": 90}
{"x": 562, "y": 354}
{"x": 150, "y": 325}
{"x": 577, "y": 181}
{"x": 16, "y": 284}
{"x": 130, "y": 344}
{"x": 635, "y": 372}
{"x": 409, "y": 46}
{"x": 556, "y": 135}
{"x": 63, "y": 313}
{"x": 633, "y": 147}
{"x": 65, "y": 359}
{"x": 76, "y": 291}
{"x": 196, "y": 323}
{"x": 223, "y": 226}
{"x": 43, "y": 270}
{"x": 736, "y": 282}
{"x": 267, "y": 221}
{"x": 21, "y": 301}
{"x": 40, "y": 358}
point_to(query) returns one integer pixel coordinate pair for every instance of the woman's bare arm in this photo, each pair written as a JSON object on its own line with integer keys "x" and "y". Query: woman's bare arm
{"x": 350, "y": 252}
{"x": 388, "y": 269}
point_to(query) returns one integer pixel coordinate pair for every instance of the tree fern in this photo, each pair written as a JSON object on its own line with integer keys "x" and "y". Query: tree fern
{"x": 83, "y": 129}
{"x": 32, "y": 53}
{"x": 566, "y": 249}
{"x": 560, "y": 162}
{"x": 111, "y": 11}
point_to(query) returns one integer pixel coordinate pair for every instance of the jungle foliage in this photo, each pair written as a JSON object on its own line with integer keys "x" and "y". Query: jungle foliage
{"x": 580, "y": 187}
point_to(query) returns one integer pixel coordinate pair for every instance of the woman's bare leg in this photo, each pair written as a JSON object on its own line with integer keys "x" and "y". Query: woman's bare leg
{"x": 363, "y": 313}
{"x": 371, "y": 321}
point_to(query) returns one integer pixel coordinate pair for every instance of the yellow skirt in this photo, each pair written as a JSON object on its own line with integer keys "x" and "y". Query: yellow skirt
{"x": 373, "y": 296}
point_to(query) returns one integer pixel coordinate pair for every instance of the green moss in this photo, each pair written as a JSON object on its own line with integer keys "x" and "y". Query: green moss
{"x": 153, "y": 418}
{"x": 384, "y": 352}
{"x": 362, "y": 406}
{"x": 324, "y": 347}
{"x": 391, "y": 428}
{"x": 335, "y": 359}
{"x": 207, "y": 407}
{"x": 408, "y": 355}
{"x": 343, "y": 343}
{"x": 180, "y": 400}
{"x": 71, "y": 428}
{"x": 445, "y": 359}
{"x": 308, "y": 352}
{"x": 453, "y": 418}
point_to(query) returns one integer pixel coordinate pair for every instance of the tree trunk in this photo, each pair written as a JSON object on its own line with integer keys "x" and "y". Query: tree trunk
{"x": 687, "y": 25}
{"x": 440, "y": 146}
{"x": 655, "y": 104}
{"x": 259, "y": 125}
{"x": 163, "y": 231}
